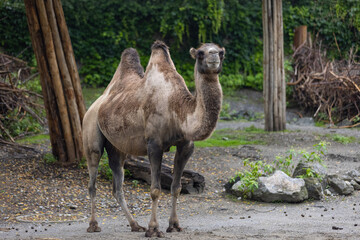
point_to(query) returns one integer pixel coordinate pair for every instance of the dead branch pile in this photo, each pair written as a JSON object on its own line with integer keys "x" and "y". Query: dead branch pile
{"x": 16, "y": 102}
{"x": 331, "y": 89}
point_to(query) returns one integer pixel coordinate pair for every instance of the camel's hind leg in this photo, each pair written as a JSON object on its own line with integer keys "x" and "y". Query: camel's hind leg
{"x": 116, "y": 162}
{"x": 183, "y": 153}
{"x": 94, "y": 148}
{"x": 155, "y": 153}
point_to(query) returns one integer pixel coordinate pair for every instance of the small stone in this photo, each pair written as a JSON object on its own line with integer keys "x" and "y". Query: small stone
{"x": 355, "y": 225}
{"x": 249, "y": 216}
{"x": 322, "y": 215}
{"x": 242, "y": 217}
{"x": 230, "y": 217}
{"x": 333, "y": 217}
{"x": 302, "y": 215}
{"x": 325, "y": 210}
{"x": 337, "y": 228}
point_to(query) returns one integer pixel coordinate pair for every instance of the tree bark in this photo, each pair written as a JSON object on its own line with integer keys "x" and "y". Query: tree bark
{"x": 273, "y": 66}
{"x": 69, "y": 55}
{"x": 66, "y": 80}
{"x": 59, "y": 78}
{"x": 56, "y": 136}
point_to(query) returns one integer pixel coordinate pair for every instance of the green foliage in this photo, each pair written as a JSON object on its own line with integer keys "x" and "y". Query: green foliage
{"x": 18, "y": 123}
{"x": 135, "y": 183}
{"x": 104, "y": 168}
{"x": 35, "y": 139}
{"x": 101, "y": 30}
{"x": 343, "y": 139}
{"x": 255, "y": 169}
{"x": 49, "y": 158}
{"x": 326, "y": 20}
{"x": 228, "y": 138}
{"x": 14, "y": 34}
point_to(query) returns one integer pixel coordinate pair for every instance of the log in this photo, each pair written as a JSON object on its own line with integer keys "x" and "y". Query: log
{"x": 56, "y": 136}
{"x": 56, "y": 81}
{"x": 69, "y": 55}
{"x": 66, "y": 80}
{"x": 139, "y": 167}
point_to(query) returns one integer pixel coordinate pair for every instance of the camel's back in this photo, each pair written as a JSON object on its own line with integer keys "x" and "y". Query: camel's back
{"x": 134, "y": 109}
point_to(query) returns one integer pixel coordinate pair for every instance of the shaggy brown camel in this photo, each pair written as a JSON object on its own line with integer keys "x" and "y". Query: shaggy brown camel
{"x": 147, "y": 113}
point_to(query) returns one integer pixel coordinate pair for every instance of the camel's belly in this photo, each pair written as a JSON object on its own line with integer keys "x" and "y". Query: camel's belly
{"x": 129, "y": 141}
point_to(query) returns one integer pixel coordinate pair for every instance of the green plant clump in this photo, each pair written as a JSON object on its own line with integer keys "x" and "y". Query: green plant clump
{"x": 256, "y": 169}
{"x": 343, "y": 139}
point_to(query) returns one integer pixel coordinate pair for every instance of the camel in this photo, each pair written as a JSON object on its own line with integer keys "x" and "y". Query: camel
{"x": 147, "y": 113}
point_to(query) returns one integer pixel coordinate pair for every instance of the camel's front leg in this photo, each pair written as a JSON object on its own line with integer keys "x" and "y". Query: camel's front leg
{"x": 183, "y": 153}
{"x": 155, "y": 157}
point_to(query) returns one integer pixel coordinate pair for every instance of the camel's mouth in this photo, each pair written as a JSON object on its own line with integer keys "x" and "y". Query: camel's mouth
{"x": 213, "y": 65}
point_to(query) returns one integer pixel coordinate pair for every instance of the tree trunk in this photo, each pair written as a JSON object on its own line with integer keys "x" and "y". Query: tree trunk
{"x": 273, "y": 64}
{"x": 59, "y": 98}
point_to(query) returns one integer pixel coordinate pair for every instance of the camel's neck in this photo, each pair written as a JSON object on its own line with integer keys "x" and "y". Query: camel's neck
{"x": 208, "y": 106}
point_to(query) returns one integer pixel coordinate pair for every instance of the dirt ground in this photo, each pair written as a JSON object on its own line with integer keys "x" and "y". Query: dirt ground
{"x": 31, "y": 189}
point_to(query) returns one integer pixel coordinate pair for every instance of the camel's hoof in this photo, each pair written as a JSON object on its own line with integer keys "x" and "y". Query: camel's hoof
{"x": 154, "y": 233}
{"x": 174, "y": 229}
{"x": 93, "y": 227}
{"x": 135, "y": 227}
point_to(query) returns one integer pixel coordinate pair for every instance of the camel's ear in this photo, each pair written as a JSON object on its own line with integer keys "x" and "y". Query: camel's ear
{"x": 193, "y": 53}
{"x": 223, "y": 54}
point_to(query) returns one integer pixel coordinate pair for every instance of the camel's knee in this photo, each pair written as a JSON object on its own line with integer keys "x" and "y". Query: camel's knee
{"x": 155, "y": 193}
{"x": 92, "y": 190}
{"x": 175, "y": 191}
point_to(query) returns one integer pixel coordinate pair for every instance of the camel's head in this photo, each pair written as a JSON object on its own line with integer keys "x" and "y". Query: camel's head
{"x": 209, "y": 58}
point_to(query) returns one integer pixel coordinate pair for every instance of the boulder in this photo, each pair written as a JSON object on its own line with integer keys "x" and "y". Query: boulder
{"x": 280, "y": 187}
{"x": 355, "y": 184}
{"x": 314, "y": 188}
{"x": 339, "y": 185}
{"x": 319, "y": 169}
{"x": 357, "y": 179}
{"x": 316, "y": 167}
{"x": 238, "y": 193}
{"x": 353, "y": 173}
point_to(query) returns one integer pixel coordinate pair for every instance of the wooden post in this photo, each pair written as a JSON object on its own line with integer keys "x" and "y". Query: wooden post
{"x": 273, "y": 66}
{"x": 63, "y": 110}
{"x": 69, "y": 55}
{"x": 57, "y": 139}
{"x": 300, "y": 36}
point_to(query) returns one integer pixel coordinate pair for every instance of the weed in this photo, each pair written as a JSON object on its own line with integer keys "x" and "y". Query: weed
{"x": 35, "y": 139}
{"x": 135, "y": 183}
{"x": 256, "y": 169}
{"x": 343, "y": 139}
{"x": 82, "y": 163}
{"x": 49, "y": 158}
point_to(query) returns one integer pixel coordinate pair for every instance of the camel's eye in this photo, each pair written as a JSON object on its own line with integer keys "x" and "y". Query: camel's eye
{"x": 200, "y": 54}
